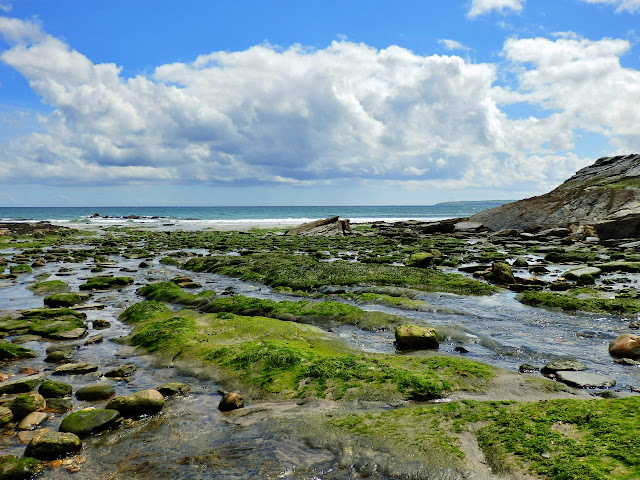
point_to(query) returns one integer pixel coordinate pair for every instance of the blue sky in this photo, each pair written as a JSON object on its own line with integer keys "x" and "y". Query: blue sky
{"x": 298, "y": 103}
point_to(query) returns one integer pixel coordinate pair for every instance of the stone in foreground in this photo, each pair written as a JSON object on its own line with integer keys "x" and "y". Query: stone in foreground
{"x": 585, "y": 380}
{"x": 14, "y": 468}
{"x": 145, "y": 402}
{"x": 48, "y": 445}
{"x": 415, "y": 337}
{"x": 89, "y": 421}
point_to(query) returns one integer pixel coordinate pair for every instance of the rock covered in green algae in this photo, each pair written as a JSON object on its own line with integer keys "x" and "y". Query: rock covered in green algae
{"x": 48, "y": 445}
{"x": 95, "y": 392}
{"x": 421, "y": 260}
{"x": 26, "y": 403}
{"x": 49, "y": 287}
{"x": 20, "y": 268}
{"x": 6, "y": 415}
{"x": 54, "y": 389}
{"x": 88, "y": 421}
{"x": 75, "y": 369}
{"x": 174, "y": 388}
{"x": 14, "y": 468}
{"x": 626, "y": 345}
{"x": 22, "y": 385}
{"x": 562, "y": 365}
{"x": 59, "y": 405}
{"x": 105, "y": 282}
{"x": 65, "y": 299}
{"x": 10, "y": 351}
{"x": 584, "y": 271}
{"x": 416, "y": 337}
{"x": 145, "y": 402}
{"x": 501, "y": 273}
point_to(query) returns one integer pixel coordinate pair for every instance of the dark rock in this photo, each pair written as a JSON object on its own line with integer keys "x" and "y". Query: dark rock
{"x": 48, "y": 445}
{"x": 58, "y": 357}
{"x": 328, "y": 227}
{"x": 54, "y": 389}
{"x": 122, "y": 371}
{"x": 59, "y": 405}
{"x": 174, "y": 388}
{"x": 89, "y": 421}
{"x": 94, "y": 393}
{"x": 231, "y": 401}
{"x": 21, "y": 385}
{"x": 501, "y": 273}
{"x": 100, "y": 324}
{"x": 14, "y": 468}
{"x": 528, "y": 368}
{"x": 26, "y": 403}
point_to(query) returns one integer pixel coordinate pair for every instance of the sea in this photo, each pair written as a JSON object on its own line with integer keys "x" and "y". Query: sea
{"x": 236, "y": 216}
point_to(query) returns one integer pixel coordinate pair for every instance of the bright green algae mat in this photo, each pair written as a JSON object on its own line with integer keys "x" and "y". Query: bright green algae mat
{"x": 295, "y": 360}
{"x": 556, "y": 439}
{"x": 621, "y": 305}
{"x": 304, "y": 273}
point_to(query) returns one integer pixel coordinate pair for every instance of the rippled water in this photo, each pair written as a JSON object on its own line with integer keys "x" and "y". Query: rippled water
{"x": 191, "y": 439}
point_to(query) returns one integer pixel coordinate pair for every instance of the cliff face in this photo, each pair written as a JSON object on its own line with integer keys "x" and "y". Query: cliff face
{"x": 605, "y": 191}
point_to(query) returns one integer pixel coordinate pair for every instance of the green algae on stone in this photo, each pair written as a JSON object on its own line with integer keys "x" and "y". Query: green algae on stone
{"x": 54, "y": 389}
{"x": 14, "y": 468}
{"x": 104, "y": 282}
{"x": 305, "y": 273}
{"x": 26, "y": 403}
{"x": 173, "y": 293}
{"x": 572, "y": 302}
{"x": 296, "y": 360}
{"x": 10, "y": 351}
{"x": 20, "y": 268}
{"x": 49, "y": 287}
{"x": 142, "y": 311}
{"x": 65, "y": 299}
{"x": 400, "y": 302}
{"x": 324, "y": 313}
{"x": 88, "y": 421}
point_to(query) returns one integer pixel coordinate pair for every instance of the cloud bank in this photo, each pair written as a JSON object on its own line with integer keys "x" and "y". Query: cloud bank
{"x": 297, "y": 116}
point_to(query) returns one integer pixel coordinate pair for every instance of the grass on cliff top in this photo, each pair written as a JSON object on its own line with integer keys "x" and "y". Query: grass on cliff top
{"x": 556, "y": 439}
{"x": 571, "y": 302}
{"x": 301, "y": 272}
{"x": 294, "y": 360}
{"x": 323, "y": 314}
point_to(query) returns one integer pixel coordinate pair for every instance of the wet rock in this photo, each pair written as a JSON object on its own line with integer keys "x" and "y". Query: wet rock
{"x": 94, "y": 339}
{"x": 415, "y": 337}
{"x": 626, "y": 345}
{"x": 94, "y": 393}
{"x": 14, "y": 468}
{"x": 75, "y": 369}
{"x": 21, "y": 385}
{"x": 585, "y": 380}
{"x": 460, "y": 349}
{"x": 48, "y": 445}
{"x": 174, "y": 388}
{"x": 122, "y": 371}
{"x": 578, "y": 273}
{"x": 145, "y": 402}
{"x": 231, "y": 401}
{"x": 62, "y": 347}
{"x": 562, "y": 365}
{"x": 32, "y": 420}
{"x": 25, "y": 436}
{"x": 54, "y": 389}
{"x": 6, "y": 415}
{"x": 501, "y": 273}
{"x": 26, "y": 338}
{"x": 59, "y": 405}
{"x": 520, "y": 263}
{"x": 100, "y": 324}
{"x": 58, "y": 357}
{"x": 65, "y": 299}
{"x": 88, "y": 421}
{"x": 528, "y": 368}
{"x": 26, "y": 403}
{"x": 72, "y": 334}
{"x": 10, "y": 351}
{"x": 421, "y": 260}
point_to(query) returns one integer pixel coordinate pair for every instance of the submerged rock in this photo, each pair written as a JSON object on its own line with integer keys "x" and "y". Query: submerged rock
{"x": 32, "y": 420}
{"x": 122, "y": 371}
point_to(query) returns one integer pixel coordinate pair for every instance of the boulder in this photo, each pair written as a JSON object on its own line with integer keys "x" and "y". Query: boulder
{"x": 578, "y": 273}
{"x": 26, "y": 403}
{"x": 100, "y": 324}
{"x": 58, "y": 357}
{"x": 10, "y": 351}
{"x": 75, "y": 369}
{"x": 585, "y": 380}
{"x": 328, "y": 227}
{"x": 59, "y": 405}
{"x": 54, "y": 389}
{"x": 174, "y": 388}
{"x": 559, "y": 365}
{"x": 91, "y": 420}
{"x": 94, "y": 393}
{"x": 626, "y": 345}
{"x": 501, "y": 273}
{"x": 416, "y": 337}
{"x": 231, "y": 401}
{"x": 125, "y": 370}
{"x": 48, "y": 445}
{"x": 21, "y": 385}
{"x": 421, "y": 260}
{"x": 145, "y": 402}
{"x": 14, "y": 468}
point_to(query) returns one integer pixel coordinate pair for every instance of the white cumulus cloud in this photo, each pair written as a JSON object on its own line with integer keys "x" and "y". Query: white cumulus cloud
{"x": 480, "y": 7}
{"x": 452, "y": 44}
{"x": 621, "y": 5}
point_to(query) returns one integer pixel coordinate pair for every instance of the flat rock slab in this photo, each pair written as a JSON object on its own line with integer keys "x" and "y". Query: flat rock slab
{"x": 48, "y": 445}
{"x": 576, "y": 273}
{"x": 86, "y": 422}
{"x": 585, "y": 380}
{"x": 22, "y": 385}
{"x": 75, "y": 369}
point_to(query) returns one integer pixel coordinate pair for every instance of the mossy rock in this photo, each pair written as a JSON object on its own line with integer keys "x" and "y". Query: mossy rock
{"x": 573, "y": 302}
{"x": 26, "y": 403}
{"x": 173, "y": 293}
{"x": 14, "y": 468}
{"x": 143, "y": 310}
{"x": 89, "y": 421}
{"x": 52, "y": 313}
{"x": 421, "y": 260}
{"x": 22, "y": 385}
{"x": 105, "y": 282}
{"x": 65, "y": 299}
{"x": 20, "y": 268}
{"x": 145, "y": 402}
{"x": 49, "y": 287}
{"x": 95, "y": 393}
{"x": 6, "y": 415}
{"x": 10, "y": 351}
{"x": 48, "y": 445}
{"x": 416, "y": 337}
{"x": 54, "y": 389}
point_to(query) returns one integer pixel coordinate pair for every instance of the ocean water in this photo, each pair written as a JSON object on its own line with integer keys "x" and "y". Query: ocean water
{"x": 201, "y": 217}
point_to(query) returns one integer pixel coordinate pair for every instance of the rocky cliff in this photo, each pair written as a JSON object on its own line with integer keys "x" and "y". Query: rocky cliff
{"x": 606, "y": 192}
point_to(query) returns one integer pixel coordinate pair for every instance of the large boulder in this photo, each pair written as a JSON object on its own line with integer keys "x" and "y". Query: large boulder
{"x": 145, "y": 402}
{"x": 416, "y": 337}
{"x": 54, "y": 389}
{"x": 26, "y": 403}
{"x": 327, "y": 227}
{"x": 501, "y": 273}
{"x": 93, "y": 393}
{"x": 626, "y": 345}
{"x": 48, "y": 445}
{"x": 91, "y": 420}
{"x": 231, "y": 401}
{"x": 604, "y": 192}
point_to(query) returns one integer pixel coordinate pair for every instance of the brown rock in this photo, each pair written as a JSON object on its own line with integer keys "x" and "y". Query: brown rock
{"x": 231, "y": 401}
{"x": 625, "y": 346}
